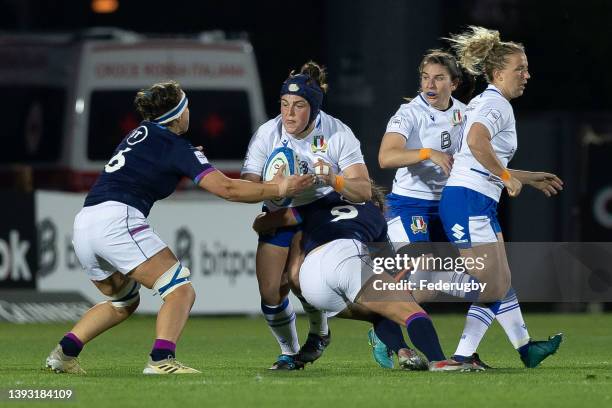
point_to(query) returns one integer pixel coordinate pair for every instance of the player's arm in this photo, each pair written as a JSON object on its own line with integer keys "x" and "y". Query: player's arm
{"x": 393, "y": 154}
{"x": 249, "y": 192}
{"x": 479, "y": 142}
{"x": 268, "y": 221}
{"x": 354, "y": 183}
{"x": 547, "y": 183}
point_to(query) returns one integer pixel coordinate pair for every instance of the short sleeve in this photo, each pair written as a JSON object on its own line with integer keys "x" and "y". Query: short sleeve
{"x": 402, "y": 124}
{"x": 494, "y": 116}
{"x": 349, "y": 149}
{"x": 256, "y": 155}
{"x": 189, "y": 161}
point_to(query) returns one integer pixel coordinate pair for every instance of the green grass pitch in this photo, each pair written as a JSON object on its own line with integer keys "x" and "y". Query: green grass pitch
{"x": 233, "y": 354}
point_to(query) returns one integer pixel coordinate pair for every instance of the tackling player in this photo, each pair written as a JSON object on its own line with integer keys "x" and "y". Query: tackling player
{"x": 335, "y": 236}
{"x": 118, "y": 248}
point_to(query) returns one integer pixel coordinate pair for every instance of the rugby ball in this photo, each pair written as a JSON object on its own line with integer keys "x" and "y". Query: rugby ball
{"x": 278, "y": 157}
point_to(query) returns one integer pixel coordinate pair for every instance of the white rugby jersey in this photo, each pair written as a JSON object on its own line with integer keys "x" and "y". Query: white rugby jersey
{"x": 330, "y": 140}
{"x": 492, "y": 110}
{"x": 424, "y": 126}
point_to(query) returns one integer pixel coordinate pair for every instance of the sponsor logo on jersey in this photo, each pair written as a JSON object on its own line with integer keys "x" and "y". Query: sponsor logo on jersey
{"x": 457, "y": 117}
{"x": 418, "y": 224}
{"x": 318, "y": 144}
{"x": 200, "y": 156}
{"x": 458, "y": 231}
{"x": 137, "y": 135}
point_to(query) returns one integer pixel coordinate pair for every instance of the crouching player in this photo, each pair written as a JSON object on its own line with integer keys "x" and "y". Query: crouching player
{"x": 335, "y": 233}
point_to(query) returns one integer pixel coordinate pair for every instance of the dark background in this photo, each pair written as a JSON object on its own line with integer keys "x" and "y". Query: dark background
{"x": 372, "y": 49}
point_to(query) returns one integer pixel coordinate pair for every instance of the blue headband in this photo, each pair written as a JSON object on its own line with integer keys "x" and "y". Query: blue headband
{"x": 306, "y": 87}
{"x": 173, "y": 113}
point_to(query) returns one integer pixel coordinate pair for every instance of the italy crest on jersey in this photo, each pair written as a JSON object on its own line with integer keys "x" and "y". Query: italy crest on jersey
{"x": 457, "y": 117}
{"x": 418, "y": 224}
{"x": 318, "y": 144}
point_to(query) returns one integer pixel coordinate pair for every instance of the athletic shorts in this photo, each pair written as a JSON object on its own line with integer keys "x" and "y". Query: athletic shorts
{"x": 414, "y": 220}
{"x": 469, "y": 217}
{"x": 330, "y": 277}
{"x": 111, "y": 237}
{"x": 282, "y": 237}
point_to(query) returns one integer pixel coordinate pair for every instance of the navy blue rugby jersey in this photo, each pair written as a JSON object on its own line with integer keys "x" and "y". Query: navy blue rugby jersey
{"x": 333, "y": 217}
{"x": 146, "y": 167}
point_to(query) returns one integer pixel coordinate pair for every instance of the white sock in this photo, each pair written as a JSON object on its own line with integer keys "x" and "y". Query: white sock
{"x": 281, "y": 320}
{"x": 477, "y": 321}
{"x": 510, "y": 317}
{"x": 317, "y": 319}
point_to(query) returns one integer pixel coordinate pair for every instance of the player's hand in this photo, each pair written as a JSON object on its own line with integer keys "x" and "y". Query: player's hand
{"x": 292, "y": 185}
{"x": 514, "y": 186}
{"x": 547, "y": 183}
{"x": 324, "y": 172}
{"x": 444, "y": 160}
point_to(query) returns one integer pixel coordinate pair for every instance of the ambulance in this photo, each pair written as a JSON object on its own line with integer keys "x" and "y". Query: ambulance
{"x": 67, "y": 99}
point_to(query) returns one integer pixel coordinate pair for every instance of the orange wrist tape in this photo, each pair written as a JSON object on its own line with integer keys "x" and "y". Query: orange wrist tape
{"x": 424, "y": 153}
{"x": 339, "y": 183}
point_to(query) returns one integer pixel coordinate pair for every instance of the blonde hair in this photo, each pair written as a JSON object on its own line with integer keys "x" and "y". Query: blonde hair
{"x": 481, "y": 51}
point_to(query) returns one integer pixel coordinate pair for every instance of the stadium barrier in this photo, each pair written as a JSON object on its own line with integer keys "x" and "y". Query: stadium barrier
{"x": 210, "y": 236}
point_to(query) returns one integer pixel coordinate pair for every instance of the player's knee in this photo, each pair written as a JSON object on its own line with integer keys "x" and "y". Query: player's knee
{"x": 128, "y": 298}
{"x": 172, "y": 280}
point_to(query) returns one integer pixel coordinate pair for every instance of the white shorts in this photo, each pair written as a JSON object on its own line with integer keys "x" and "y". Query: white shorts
{"x": 111, "y": 237}
{"x": 330, "y": 277}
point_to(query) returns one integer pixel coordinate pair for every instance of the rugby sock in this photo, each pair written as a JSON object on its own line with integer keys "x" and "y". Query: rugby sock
{"x": 477, "y": 321}
{"x": 162, "y": 349}
{"x": 281, "y": 320}
{"x": 317, "y": 319}
{"x": 424, "y": 337}
{"x": 390, "y": 333}
{"x": 71, "y": 345}
{"x": 511, "y": 319}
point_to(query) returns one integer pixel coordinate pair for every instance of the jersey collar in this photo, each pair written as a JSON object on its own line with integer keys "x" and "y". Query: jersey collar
{"x": 493, "y": 88}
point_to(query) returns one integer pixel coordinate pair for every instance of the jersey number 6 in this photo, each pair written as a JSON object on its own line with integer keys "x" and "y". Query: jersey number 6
{"x": 344, "y": 212}
{"x": 117, "y": 161}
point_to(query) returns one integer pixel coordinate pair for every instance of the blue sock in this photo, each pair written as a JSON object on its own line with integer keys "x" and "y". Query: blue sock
{"x": 424, "y": 337}
{"x": 390, "y": 333}
{"x": 71, "y": 345}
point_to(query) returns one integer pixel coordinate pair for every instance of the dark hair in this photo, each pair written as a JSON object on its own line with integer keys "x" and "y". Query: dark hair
{"x": 314, "y": 71}
{"x": 465, "y": 81}
{"x": 158, "y": 99}
{"x": 445, "y": 59}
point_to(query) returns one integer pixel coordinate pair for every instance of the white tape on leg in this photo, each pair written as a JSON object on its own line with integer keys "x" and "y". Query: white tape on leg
{"x": 126, "y": 296}
{"x": 176, "y": 276}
